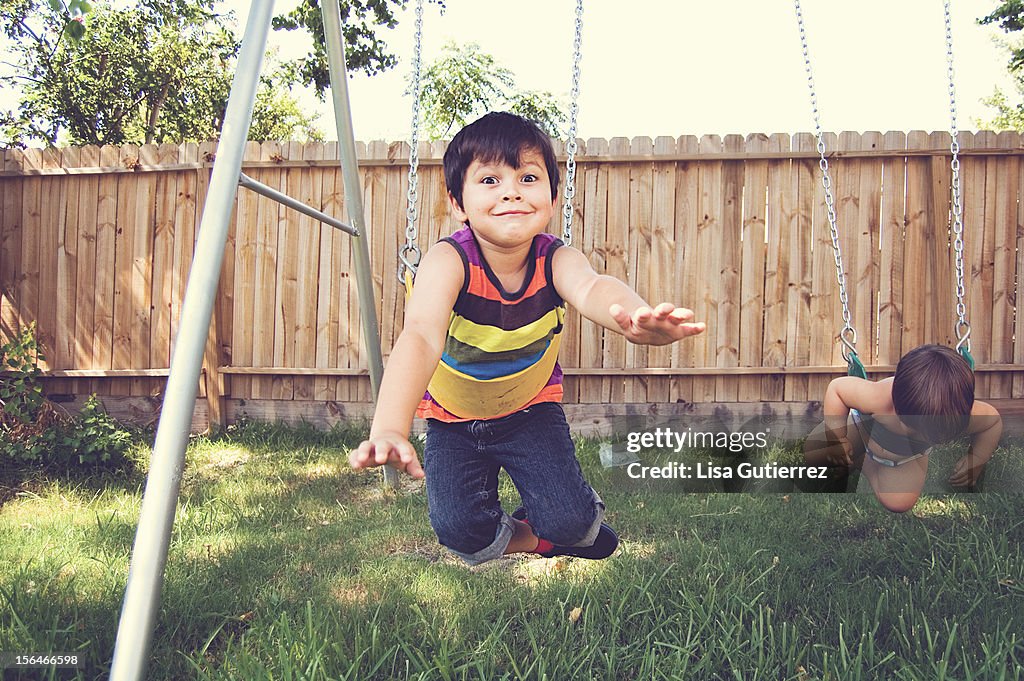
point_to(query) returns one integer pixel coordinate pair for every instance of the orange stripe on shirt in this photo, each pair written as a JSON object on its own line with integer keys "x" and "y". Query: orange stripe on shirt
{"x": 480, "y": 285}
{"x": 429, "y": 409}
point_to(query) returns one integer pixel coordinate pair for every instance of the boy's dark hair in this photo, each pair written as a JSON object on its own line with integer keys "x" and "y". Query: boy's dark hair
{"x": 933, "y": 392}
{"x": 496, "y": 137}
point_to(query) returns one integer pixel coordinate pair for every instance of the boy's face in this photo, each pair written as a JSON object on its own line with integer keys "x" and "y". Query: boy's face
{"x": 506, "y": 206}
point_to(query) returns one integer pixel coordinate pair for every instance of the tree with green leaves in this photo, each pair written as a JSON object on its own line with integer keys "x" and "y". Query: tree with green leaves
{"x": 1009, "y": 115}
{"x": 364, "y": 50}
{"x": 465, "y": 82}
{"x": 160, "y": 70}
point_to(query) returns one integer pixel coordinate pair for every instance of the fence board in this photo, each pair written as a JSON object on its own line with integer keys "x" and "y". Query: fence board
{"x": 1018, "y": 330}
{"x": 52, "y": 212}
{"x": 846, "y": 185}
{"x": 729, "y": 266}
{"x": 709, "y": 246}
{"x": 142, "y": 270}
{"x": 392, "y": 227}
{"x": 243, "y": 330}
{"x": 869, "y": 227}
{"x": 940, "y": 309}
{"x": 638, "y": 263}
{"x": 798, "y": 340}
{"x": 891, "y": 256}
{"x": 664, "y": 277}
{"x": 616, "y": 245}
{"x": 67, "y": 264}
{"x": 266, "y": 259}
{"x": 340, "y": 268}
{"x": 185, "y": 212}
{"x": 124, "y": 245}
{"x": 919, "y": 261}
{"x": 28, "y": 286}
{"x": 106, "y": 228}
{"x": 326, "y": 338}
{"x": 750, "y": 335}
{"x": 11, "y": 192}
{"x": 595, "y": 206}
{"x": 86, "y": 273}
{"x": 687, "y": 216}
{"x": 1004, "y": 263}
{"x": 165, "y": 201}
{"x": 375, "y": 204}
{"x": 781, "y": 214}
{"x": 308, "y": 275}
{"x": 285, "y": 323}
{"x": 826, "y": 310}
{"x": 979, "y": 244}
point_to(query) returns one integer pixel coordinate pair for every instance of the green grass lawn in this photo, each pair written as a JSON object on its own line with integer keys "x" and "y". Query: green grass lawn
{"x": 285, "y": 564}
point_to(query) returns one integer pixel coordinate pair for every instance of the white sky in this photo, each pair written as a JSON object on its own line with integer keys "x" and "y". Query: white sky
{"x": 695, "y": 67}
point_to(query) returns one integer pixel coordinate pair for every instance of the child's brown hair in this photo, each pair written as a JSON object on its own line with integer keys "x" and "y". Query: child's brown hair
{"x": 933, "y": 392}
{"x": 496, "y": 137}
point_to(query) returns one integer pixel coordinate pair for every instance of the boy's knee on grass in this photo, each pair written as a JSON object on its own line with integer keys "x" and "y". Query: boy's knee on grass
{"x": 465, "y": 536}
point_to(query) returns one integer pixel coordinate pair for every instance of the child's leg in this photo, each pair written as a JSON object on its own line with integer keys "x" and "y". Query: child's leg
{"x": 897, "y": 488}
{"x": 462, "y": 494}
{"x": 538, "y": 453}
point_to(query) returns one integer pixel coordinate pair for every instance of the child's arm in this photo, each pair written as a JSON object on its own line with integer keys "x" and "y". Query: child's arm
{"x": 985, "y": 428}
{"x": 842, "y": 395}
{"x": 412, "y": 362}
{"x": 611, "y": 303}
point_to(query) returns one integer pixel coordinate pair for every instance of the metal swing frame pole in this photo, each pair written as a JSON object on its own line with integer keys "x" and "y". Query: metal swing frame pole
{"x": 156, "y": 518}
{"x": 354, "y": 202}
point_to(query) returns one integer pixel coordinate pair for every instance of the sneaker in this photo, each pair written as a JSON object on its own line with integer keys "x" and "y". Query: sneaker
{"x": 604, "y": 545}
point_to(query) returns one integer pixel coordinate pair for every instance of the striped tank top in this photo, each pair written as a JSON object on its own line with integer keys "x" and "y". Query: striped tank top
{"x": 501, "y": 354}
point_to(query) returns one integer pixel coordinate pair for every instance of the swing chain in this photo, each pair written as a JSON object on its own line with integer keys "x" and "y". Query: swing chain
{"x": 848, "y": 335}
{"x": 962, "y": 328}
{"x": 570, "y": 145}
{"x": 409, "y": 254}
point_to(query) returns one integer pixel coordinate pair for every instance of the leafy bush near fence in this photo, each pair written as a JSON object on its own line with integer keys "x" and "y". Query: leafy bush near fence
{"x": 33, "y": 430}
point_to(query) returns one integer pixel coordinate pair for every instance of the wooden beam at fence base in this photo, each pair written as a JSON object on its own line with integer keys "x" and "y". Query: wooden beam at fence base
{"x": 140, "y": 411}
{"x": 106, "y": 373}
{"x": 585, "y": 420}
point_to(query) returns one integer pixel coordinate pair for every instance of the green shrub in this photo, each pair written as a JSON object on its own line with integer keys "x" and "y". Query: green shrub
{"x": 21, "y": 395}
{"x": 34, "y": 430}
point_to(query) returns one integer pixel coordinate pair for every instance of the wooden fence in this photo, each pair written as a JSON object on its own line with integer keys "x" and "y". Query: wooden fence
{"x": 96, "y": 243}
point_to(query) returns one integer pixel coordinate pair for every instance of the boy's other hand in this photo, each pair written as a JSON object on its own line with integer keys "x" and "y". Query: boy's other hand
{"x": 966, "y": 472}
{"x": 665, "y": 324}
{"x": 391, "y": 449}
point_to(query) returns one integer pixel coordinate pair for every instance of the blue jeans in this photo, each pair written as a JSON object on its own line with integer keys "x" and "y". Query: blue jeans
{"x": 462, "y": 461}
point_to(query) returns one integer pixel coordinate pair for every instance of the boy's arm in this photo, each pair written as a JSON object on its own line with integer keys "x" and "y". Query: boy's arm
{"x": 842, "y": 395}
{"x": 413, "y": 360}
{"x": 611, "y": 303}
{"x": 985, "y": 429}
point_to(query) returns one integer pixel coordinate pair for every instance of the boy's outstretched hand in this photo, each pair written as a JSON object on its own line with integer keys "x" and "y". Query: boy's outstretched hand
{"x": 665, "y": 324}
{"x": 387, "y": 448}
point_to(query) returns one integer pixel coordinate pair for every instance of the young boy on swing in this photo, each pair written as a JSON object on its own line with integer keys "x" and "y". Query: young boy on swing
{"x": 887, "y": 428}
{"x": 477, "y": 356}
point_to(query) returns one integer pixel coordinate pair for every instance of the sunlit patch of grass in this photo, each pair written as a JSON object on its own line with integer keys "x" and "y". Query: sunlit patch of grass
{"x": 533, "y": 569}
{"x": 943, "y": 506}
{"x": 638, "y": 549}
{"x": 350, "y": 594}
{"x": 316, "y": 470}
